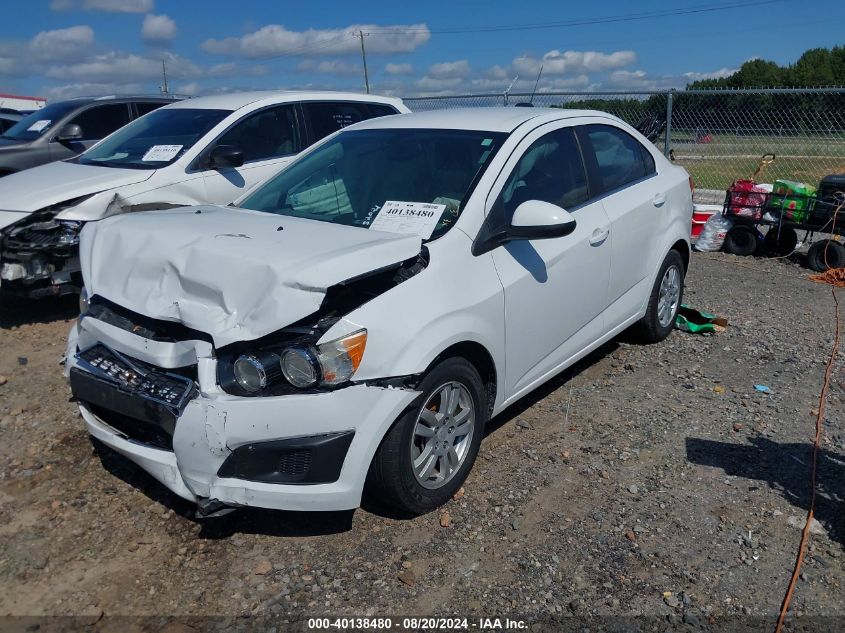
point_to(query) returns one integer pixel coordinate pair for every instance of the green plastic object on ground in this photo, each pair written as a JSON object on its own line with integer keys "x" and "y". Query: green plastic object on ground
{"x": 695, "y": 321}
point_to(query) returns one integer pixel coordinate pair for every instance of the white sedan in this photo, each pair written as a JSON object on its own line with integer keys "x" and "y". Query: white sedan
{"x": 361, "y": 316}
{"x": 205, "y": 150}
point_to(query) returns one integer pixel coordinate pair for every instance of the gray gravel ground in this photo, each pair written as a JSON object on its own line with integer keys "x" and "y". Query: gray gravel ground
{"x": 647, "y": 481}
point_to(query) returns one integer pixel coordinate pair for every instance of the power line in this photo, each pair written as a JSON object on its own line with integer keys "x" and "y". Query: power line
{"x": 627, "y": 17}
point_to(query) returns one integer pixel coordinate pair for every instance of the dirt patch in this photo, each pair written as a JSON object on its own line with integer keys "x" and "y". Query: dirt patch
{"x": 648, "y": 480}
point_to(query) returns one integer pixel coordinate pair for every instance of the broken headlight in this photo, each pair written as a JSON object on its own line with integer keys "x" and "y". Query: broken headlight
{"x": 300, "y": 365}
{"x": 68, "y": 232}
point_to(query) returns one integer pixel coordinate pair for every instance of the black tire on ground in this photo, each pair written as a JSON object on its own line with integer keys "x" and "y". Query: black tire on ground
{"x": 826, "y": 254}
{"x": 649, "y": 329}
{"x": 391, "y": 480}
{"x": 741, "y": 240}
{"x": 782, "y": 245}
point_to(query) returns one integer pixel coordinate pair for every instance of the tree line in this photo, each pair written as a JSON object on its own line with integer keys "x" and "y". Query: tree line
{"x": 816, "y": 68}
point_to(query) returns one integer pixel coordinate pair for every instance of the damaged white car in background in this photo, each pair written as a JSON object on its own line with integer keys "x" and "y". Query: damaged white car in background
{"x": 360, "y": 318}
{"x": 205, "y": 150}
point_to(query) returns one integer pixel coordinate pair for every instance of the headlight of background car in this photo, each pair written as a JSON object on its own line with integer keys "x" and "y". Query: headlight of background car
{"x": 68, "y": 234}
{"x": 302, "y": 366}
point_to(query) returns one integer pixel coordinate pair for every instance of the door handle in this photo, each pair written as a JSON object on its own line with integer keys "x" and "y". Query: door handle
{"x": 659, "y": 199}
{"x": 599, "y": 236}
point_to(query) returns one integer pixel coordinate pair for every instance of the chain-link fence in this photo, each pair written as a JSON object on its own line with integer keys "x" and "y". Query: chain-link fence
{"x": 717, "y": 135}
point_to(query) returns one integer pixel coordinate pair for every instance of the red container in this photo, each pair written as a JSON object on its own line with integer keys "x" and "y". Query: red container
{"x": 700, "y": 214}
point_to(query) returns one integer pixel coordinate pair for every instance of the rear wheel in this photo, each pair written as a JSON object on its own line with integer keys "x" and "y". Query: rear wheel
{"x": 664, "y": 301}
{"x": 826, "y": 254}
{"x": 429, "y": 451}
{"x": 741, "y": 240}
{"x": 780, "y": 243}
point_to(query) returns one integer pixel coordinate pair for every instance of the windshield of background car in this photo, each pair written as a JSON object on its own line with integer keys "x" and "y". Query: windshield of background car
{"x": 349, "y": 179}
{"x": 40, "y": 122}
{"x": 155, "y": 140}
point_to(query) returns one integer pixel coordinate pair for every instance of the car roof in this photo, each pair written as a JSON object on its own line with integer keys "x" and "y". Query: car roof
{"x": 490, "y": 119}
{"x": 236, "y": 100}
{"x": 82, "y": 101}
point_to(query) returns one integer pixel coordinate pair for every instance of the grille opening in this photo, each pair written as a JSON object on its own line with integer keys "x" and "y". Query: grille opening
{"x": 295, "y": 463}
{"x": 136, "y": 430}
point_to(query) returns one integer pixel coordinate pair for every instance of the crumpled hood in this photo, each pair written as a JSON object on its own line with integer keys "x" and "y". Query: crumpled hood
{"x": 45, "y": 185}
{"x": 231, "y": 273}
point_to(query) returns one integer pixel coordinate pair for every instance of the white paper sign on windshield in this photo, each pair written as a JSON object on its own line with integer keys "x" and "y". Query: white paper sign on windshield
{"x": 161, "y": 153}
{"x": 414, "y": 218}
{"x": 39, "y": 125}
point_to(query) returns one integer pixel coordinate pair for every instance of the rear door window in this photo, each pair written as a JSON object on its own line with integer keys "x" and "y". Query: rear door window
{"x": 620, "y": 157}
{"x": 328, "y": 117}
{"x": 100, "y": 121}
{"x": 268, "y": 133}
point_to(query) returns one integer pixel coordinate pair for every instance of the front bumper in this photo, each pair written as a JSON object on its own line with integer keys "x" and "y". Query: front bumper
{"x": 31, "y": 265}
{"x": 215, "y": 425}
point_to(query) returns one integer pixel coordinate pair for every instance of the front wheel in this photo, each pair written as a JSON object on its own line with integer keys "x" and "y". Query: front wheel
{"x": 664, "y": 301}
{"x": 429, "y": 451}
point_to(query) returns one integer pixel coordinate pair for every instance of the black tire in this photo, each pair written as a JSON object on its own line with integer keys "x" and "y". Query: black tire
{"x": 820, "y": 261}
{"x": 649, "y": 329}
{"x": 782, "y": 245}
{"x": 741, "y": 240}
{"x": 391, "y": 480}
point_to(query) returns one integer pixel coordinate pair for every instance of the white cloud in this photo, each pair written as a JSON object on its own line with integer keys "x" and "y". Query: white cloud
{"x": 572, "y": 62}
{"x": 114, "y": 66}
{"x": 158, "y": 28}
{"x": 496, "y": 72}
{"x": 9, "y": 67}
{"x": 449, "y": 70}
{"x": 110, "y": 6}
{"x": 330, "y": 67}
{"x": 398, "y": 69}
{"x": 61, "y": 44}
{"x": 716, "y": 74}
{"x": 641, "y": 80}
{"x": 86, "y": 89}
{"x": 275, "y": 39}
{"x": 191, "y": 88}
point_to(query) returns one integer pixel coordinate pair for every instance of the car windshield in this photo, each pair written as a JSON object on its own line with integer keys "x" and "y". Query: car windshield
{"x": 359, "y": 174}
{"x": 40, "y": 122}
{"x": 155, "y": 140}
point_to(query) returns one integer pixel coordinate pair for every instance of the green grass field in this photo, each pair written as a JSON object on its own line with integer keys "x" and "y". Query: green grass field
{"x": 717, "y": 164}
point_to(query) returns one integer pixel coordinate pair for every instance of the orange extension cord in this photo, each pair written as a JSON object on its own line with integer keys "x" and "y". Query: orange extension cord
{"x": 836, "y": 279}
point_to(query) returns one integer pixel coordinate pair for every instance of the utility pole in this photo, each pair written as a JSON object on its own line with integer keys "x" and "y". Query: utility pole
{"x": 361, "y": 34}
{"x": 164, "y": 75}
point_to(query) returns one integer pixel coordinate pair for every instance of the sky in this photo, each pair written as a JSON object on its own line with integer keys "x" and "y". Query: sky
{"x": 64, "y": 48}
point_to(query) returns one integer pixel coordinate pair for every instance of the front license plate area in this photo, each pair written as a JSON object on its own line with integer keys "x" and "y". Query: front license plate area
{"x": 136, "y": 379}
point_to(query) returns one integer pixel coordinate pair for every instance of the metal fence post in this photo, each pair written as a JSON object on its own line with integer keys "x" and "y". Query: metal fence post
{"x": 667, "y": 146}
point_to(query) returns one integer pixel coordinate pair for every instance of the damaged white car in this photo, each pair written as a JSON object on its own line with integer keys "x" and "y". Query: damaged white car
{"x": 363, "y": 315}
{"x": 205, "y": 150}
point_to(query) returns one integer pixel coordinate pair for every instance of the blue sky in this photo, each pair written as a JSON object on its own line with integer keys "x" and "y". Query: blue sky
{"x": 62, "y": 48}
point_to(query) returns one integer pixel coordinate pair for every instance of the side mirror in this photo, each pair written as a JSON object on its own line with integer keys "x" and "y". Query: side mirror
{"x": 226, "y": 156}
{"x": 537, "y": 220}
{"x": 70, "y": 132}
